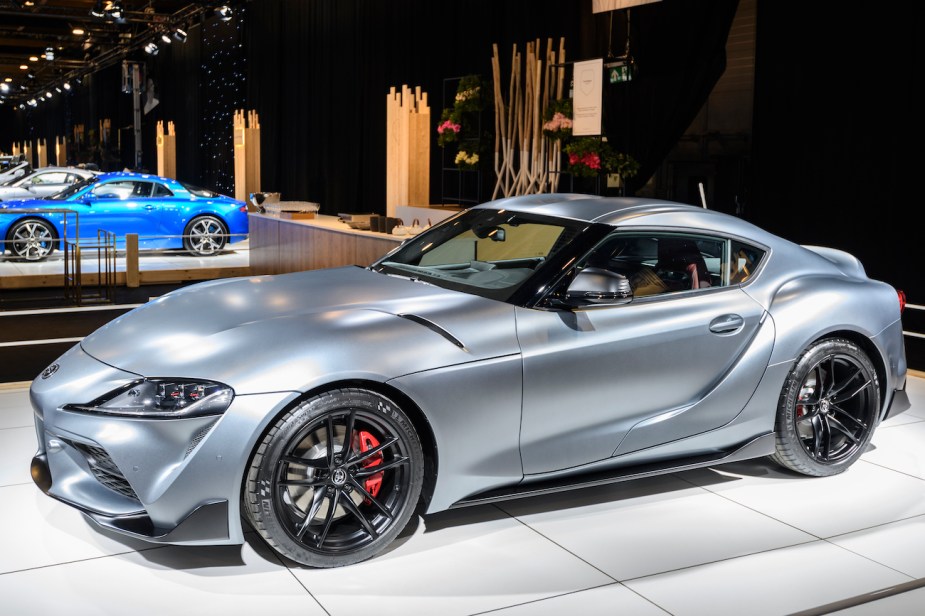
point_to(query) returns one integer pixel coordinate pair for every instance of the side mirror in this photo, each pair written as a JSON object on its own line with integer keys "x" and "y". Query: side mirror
{"x": 596, "y": 287}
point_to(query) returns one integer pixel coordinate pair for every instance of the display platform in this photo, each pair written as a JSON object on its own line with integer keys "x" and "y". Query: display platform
{"x": 155, "y": 266}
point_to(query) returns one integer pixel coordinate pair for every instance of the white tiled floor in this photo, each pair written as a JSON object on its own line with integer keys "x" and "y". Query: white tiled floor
{"x": 740, "y": 539}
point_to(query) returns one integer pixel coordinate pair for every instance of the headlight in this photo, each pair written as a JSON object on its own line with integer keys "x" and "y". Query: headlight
{"x": 162, "y": 398}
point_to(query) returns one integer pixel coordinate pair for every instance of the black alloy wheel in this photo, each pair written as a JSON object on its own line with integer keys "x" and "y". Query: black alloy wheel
{"x": 336, "y": 479}
{"x": 828, "y": 409}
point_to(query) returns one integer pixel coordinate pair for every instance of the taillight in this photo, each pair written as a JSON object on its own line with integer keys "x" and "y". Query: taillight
{"x": 902, "y": 300}
{"x": 243, "y": 209}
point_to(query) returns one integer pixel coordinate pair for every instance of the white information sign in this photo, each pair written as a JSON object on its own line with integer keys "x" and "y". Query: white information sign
{"x": 587, "y": 93}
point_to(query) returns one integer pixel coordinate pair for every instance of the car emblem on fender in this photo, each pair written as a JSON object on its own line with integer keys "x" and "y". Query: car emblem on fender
{"x": 49, "y": 371}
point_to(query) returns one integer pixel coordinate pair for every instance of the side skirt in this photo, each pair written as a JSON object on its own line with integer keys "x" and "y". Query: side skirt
{"x": 756, "y": 448}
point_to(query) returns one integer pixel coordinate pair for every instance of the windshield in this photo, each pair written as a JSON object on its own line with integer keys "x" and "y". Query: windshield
{"x": 73, "y": 189}
{"x": 490, "y": 253}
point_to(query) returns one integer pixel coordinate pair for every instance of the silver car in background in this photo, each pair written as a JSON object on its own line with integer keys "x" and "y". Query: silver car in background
{"x": 523, "y": 346}
{"x": 43, "y": 182}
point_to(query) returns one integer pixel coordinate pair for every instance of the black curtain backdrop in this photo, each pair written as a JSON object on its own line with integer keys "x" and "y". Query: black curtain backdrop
{"x": 318, "y": 73}
{"x": 837, "y": 126}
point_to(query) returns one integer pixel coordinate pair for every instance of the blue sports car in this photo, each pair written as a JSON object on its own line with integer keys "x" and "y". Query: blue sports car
{"x": 165, "y": 213}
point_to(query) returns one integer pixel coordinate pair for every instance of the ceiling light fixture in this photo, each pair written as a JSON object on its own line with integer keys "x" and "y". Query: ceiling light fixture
{"x": 224, "y": 12}
{"x": 23, "y": 67}
{"x": 33, "y": 58}
{"x": 114, "y": 10}
{"x": 67, "y": 85}
{"x": 4, "y": 87}
{"x": 49, "y": 94}
{"x": 78, "y": 31}
{"x": 151, "y": 48}
{"x": 30, "y": 75}
{"x": 49, "y": 54}
{"x": 166, "y": 38}
{"x": 97, "y": 10}
{"x": 180, "y": 35}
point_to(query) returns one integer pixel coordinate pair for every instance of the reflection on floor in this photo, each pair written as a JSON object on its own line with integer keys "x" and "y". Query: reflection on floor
{"x": 236, "y": 255}
{"x": 742, "y": 539}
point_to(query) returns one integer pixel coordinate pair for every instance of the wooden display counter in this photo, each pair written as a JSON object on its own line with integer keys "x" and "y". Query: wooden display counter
{"x": 278, "y": 245}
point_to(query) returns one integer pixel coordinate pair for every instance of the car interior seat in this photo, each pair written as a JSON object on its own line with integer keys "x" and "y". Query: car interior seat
{"x": 681, "y": 265}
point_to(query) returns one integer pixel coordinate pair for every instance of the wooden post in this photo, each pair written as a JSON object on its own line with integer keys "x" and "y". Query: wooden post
{"x": 166, "y": 150}
{"x": 27, "y": 150}
{"x": 246, "y": 154}
{"x": 17, "y": 148}
{"x": 61, "y": 151}
{"x": 132, "y": 276}
{"x": 407, "y": 149}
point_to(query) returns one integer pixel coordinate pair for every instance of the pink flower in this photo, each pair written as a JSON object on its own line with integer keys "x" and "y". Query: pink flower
{"x": 572, "y": 159}
{"x": 448, "y": 125}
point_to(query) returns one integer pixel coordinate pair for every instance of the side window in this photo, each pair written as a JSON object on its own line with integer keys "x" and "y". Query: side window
{"x": 49, "y": 178}
{"x": 744, "y": 259}
{"x": 142, "y": 190}
{"x": 657, "y": 263}
{"x": 114, "y": 190}
{"x": 161, "y": 191}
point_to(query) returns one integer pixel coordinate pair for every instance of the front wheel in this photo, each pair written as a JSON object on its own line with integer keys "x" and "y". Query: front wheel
{"x": 205, "y": 236}
{"x": 32, "y": 239}
{"x": 335, "y": 479}
{"x": 828, "y": 409}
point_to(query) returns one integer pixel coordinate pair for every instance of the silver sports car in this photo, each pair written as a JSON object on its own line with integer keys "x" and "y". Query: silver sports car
{"x": 526, "y": 345}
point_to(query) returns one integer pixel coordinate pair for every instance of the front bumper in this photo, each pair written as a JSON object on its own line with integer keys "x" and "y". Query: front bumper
{"x": 172, "y": 481}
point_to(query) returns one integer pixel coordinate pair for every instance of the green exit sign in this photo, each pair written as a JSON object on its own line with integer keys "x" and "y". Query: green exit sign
{"x": 619, "y": 72}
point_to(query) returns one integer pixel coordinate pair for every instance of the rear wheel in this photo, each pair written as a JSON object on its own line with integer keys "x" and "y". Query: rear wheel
{"x": 205, "y": 235}
{"x": 32, "y": 239}
{"x": 335, "y": 479}
{"x": 828, "y": 409}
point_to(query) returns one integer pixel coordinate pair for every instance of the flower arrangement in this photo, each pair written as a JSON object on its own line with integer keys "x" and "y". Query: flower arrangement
{"x": 590, "y": 156}
{"x": 449, "y": 127}
{"x": 557, "y": 120}
{"x": 467, "y": 160}
{"x": 468, "y": 94}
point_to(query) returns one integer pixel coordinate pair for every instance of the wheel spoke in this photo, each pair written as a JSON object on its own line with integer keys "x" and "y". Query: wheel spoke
{"x": 838, "y": 399}
{"x": 366, "y": 495}
{"x": 347, "y": 449}
{"x": 350, "y": 506}
{"x": 379, "y": 468}
{"x": 849, "y": 417}
{"x": 329, "y": 435}
{"x": 820, "y": 438}
{"x": 369, "y": 453}
{"x": 310, "y": 463}
{"x": 328, "y": 519}
{"x": 317, "y": 500}
{"x": 834, "y": 423}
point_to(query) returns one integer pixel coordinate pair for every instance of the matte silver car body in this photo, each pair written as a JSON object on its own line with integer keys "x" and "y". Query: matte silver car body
{"x": 510, "y": 396}
{"x": 35, "y": 184}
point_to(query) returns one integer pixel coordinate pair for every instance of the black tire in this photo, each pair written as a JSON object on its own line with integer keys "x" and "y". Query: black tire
{"x": 205, "y": 236}
{"x": 828, "y": 409}
{"x": 32, "y": 239}
{"x": 327, "y": 506}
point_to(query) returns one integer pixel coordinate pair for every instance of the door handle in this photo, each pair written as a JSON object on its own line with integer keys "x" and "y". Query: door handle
{"x": 726, "y": 324}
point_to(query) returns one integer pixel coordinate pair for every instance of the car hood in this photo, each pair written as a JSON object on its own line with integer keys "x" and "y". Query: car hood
{"x": 298, "y": 331}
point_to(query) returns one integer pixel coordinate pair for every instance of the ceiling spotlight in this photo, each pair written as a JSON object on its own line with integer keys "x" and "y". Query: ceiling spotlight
{"x": 33, "y": 102}
{"x": 151, "y": 48}
{"x": 78, "y": 31}
{"x": 49, "y": 54}
{"x": 180, "y": 35}
{"x": 57, "y": 89}
{"x": 8, "y": 79}
{"x": 30, "y": 74}
{"x": 224, "y": 12}
{"x": 79, "y": 80}
{"x": 67, "y": 85}
{"x": 49, "y": 94}
{"x": 166, "y": 38}
{"x": 4, "y": 87}
{"x": 23, "y": 67}
{"x": 97, "y": 10}
{"x": 33, "y": 58}
{"x": 114, "y": 10}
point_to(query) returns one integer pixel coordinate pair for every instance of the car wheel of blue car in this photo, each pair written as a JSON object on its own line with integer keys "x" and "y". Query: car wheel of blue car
{"x": 828, "y": 409}
{"x": 32, "y": 239}
{"x": 205, "y": 236}
{"x": 335, "y": 479}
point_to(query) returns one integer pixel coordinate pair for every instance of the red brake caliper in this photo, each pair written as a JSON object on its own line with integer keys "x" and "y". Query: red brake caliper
{"x": 374, "y": 482}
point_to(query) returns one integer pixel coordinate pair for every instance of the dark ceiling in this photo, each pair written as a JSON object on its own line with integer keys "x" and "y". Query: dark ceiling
{"x": 30, "y": 28}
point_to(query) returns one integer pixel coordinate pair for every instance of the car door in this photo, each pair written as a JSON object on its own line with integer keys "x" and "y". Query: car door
{"x": 604, "y": 382}
{"x": 117, "y": 207}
